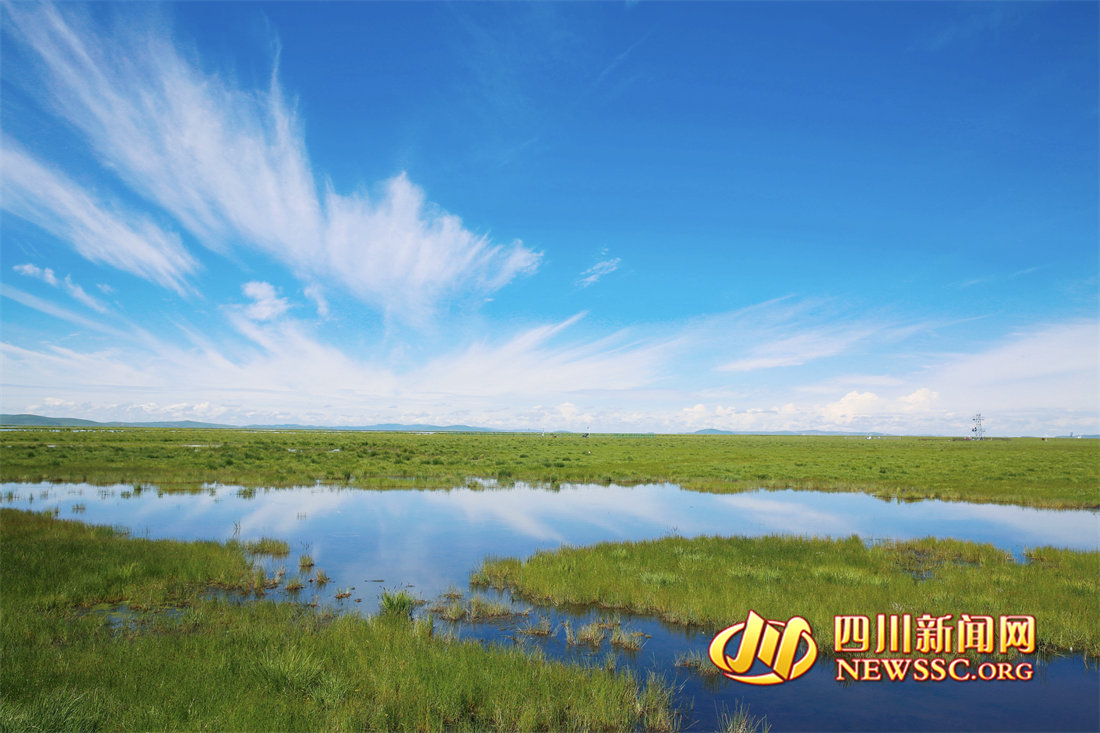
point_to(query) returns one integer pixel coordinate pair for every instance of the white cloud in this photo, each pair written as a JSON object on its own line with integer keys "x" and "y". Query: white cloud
{"x": 527, "y": 364}
{"x": 72, "y": 288}
{"x": 30, "y": 270}
{"x": 265, "y": 304}
{"x": 97, "y": 230}
{"x": 852, "y": 405}
{"x": 798, "y": 349}
{"x": 56, "y": 311}
{"x": 1052, "y": 367}
{"x": 78, "y": 292}
{"x": 231, "y": 166}
{"x": 284, "y": 371}
{"x": 598, "y": 270}
{"x": 317, "y": 295}
{"x": 922, "y": 399}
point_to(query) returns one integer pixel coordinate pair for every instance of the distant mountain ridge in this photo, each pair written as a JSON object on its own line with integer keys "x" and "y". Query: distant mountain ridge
{"x": 712, "y": 431}
{"x": 41, "y": 421}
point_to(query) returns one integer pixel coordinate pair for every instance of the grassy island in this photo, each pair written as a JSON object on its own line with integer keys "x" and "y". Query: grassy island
{"x": 1026, "y": 471}
{"x": 715, "y": 581}
{"x": 178, "y": 662}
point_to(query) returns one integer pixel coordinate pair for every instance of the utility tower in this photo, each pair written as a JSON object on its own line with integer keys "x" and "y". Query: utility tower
{"x": 979, "y": 433}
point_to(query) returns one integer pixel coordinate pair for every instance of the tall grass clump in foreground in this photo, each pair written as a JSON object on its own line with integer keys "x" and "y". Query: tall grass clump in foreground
{"x": 256, "y": 666}
{"x": 397, "y": 603}
{"x": 714, "y": 581}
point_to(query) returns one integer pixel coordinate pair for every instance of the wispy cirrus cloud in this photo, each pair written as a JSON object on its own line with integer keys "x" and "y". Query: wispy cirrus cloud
{"x": 282, "y": 368}
{"x": 52, "y": 309}
{"x": 593, "y": 274}
{"x": 99, "y": 230}
{"x": 46, "y": 275}
{"x": 797, "y": 349}
{"x": 231, "y": 166}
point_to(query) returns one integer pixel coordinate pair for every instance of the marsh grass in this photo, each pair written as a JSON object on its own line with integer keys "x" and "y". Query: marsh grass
{"x": 295, "y": 584}
{"x": 815, "y": 578}
{"x": 305, "y": 562}
{"x": 452, "y": 611}
{"x": 591, "y": 634}
{"x": 541, "y": 628}
{"x": 480, "y": 608}
{"x": 698, "y": 664}
{"x": 397, "y": 603}
{"x": 740, "y": 721}
{"x": 321, "y": 577}
{"x": 289, "y": 669}
{"x": 63, "y": 709}
{"x": 267, "y": 546}
{"x": 224, "y": 665}
{"x": 1029, "y": 472}
{"x": 628, "y": 640}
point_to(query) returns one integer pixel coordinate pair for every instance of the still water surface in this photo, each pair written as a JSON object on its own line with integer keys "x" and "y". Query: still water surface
{"x": 429, "y": 541}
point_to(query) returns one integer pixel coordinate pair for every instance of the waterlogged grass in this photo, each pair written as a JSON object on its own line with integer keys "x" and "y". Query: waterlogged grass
{"x": 740, "y": 721}
{"x": 1030, "y": 472}
{"x": 267, "y": 546}
{"x": 220, "y": 665}
{"x": 715, "y": 581}
{"x": 398, "y": 603}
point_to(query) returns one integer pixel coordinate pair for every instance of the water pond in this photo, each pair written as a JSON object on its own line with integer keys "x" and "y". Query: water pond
{"x": 429, "y": 541}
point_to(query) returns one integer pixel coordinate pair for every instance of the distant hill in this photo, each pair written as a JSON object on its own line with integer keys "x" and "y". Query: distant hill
{"x": 73, "y": 422}
{"x": 712, "y": 431}
{"x": 389, "y": 427}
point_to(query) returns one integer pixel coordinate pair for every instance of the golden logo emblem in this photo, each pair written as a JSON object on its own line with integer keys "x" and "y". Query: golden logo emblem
{"x": 775, "y": 643}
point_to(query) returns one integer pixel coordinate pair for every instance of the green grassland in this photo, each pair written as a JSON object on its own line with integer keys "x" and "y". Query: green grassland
{"x": 715, "y": 581}
{"x": 1028, "y": 472}
{"x": 183, "y": 663}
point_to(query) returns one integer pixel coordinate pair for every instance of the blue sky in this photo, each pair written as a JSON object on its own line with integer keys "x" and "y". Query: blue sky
{"x": 640, "y": 216}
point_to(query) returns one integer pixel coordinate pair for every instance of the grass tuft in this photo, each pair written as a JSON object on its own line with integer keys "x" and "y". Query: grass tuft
{"x": 267, "y": 546}
{"x": 698, "y": 664}
{"x": 628, "y": 640}
{"x": 63, "y": 709}
{"x": 591, "y": 634}
{"x": 542, "y": 628}
{"x": 739, "y": 721}
{"x": 397, "y": 603}
{"x": 289, "y": 670}
{"x": 481, "y": 608}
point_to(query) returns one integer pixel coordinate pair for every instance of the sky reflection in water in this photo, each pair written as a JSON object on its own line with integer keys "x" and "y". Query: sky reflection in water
{"x": 431, "y": 540}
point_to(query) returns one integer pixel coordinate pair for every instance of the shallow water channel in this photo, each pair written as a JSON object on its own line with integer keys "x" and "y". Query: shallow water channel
{"x": 430, "y": 541}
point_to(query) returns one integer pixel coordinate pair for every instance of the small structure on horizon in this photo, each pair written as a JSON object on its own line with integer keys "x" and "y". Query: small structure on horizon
{"x": 979, "y": 433}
